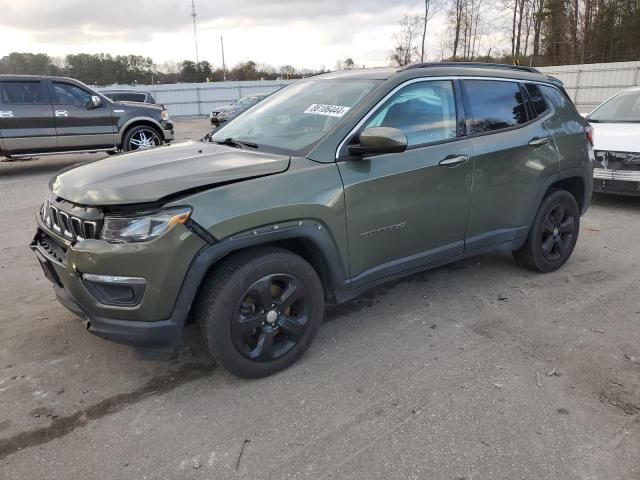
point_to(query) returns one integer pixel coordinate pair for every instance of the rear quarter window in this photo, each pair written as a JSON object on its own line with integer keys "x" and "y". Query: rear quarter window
{"x": 495, "y": 105}
{"x": 536, "y": 99}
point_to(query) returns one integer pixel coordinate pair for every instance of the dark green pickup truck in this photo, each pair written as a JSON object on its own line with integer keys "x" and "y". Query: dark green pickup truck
{"x": 49, "y": 115}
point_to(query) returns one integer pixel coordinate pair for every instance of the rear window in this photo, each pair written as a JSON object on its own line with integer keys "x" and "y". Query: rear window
{"x": 538, "y": 105}
{"x": 22, "y": 93}
{"x": 495, "y": 105}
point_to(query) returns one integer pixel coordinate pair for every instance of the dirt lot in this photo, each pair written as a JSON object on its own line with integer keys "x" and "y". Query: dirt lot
{"x": 448, "y": 374}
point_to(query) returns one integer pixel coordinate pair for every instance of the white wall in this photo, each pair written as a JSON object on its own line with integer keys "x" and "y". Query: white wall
{"x": 588, "y": 85}
{"x": 186, "y": 99}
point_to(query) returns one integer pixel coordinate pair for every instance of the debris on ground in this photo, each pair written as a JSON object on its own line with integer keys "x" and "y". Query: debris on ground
{"x": 631, "y": 358}
{"x": 553, "y": 372}
{"x": 502, "y": 298}
{"x": 595, "y": 330}
{"x": 538, "y": 380}
{"x": 246, "y": 440}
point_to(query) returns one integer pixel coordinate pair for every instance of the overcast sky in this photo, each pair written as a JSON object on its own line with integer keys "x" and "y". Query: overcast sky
{"x": 304, "y": 33}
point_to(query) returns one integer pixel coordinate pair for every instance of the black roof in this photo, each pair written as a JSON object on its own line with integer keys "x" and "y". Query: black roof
{"x": 475, "y": 69}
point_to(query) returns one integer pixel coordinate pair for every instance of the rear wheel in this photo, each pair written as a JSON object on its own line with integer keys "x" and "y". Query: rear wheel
{"x": 553, "y": 235}
{"x": 260, "y": 310}
{"x": 141, "y": 137}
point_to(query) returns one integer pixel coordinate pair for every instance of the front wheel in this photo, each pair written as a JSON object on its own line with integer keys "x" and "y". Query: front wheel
{"x": 553, "y": 235}
{"x": 260, "y": 310}
{"x": 141, "y": 137}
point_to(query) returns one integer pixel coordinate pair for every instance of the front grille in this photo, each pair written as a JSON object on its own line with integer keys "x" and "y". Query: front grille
{"x": 71, "y": 221}
{"x": 617, "y": 160}
{"x": 54, "y": 250}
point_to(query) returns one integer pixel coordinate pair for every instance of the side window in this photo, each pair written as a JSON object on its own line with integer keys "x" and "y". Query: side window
{"x": 67, "y": 94}
{"x": 424, "y": 111}
{"x": 495, "y": 105}
{"x": 536, "y": 99}
{"x": 132, "y": 97}
{"x": 26, "y": 93}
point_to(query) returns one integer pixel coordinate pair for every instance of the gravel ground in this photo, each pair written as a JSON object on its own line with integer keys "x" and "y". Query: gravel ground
{"x": 478, "y": 370}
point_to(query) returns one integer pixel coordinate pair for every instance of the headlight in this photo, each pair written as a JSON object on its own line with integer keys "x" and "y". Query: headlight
{"x": 143, "y": 227}
{"x": 164, "y": 115}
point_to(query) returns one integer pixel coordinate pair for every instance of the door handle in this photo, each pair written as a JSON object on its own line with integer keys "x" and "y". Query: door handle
{"x": 6, "y": 114}
{"x": 61, "y": 113}
{"x": 537, "y": 142}
{"x": 454, "y": 160}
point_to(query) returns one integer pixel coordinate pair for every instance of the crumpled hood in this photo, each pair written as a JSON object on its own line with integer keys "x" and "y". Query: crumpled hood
{"x": 616, "y": 137}
{"x": 147, "y": 176}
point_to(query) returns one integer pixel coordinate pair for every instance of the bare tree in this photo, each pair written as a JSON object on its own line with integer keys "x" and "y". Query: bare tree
{"x": 430, "y": 9}
{"x": 456, "y": 16}
{"x": 405, "y": 49}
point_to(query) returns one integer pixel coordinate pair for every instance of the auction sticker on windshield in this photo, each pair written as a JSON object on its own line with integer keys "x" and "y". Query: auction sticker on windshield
{"x": 329, "y": 110}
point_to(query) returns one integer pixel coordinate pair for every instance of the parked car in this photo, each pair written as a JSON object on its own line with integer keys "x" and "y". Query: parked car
{"x": 333, "y": 185}
{"x": 46, "y": 115}
{"x": 129, "y": 96}
{"x": 616, "y": 124}
{"x": 228, "y": 112}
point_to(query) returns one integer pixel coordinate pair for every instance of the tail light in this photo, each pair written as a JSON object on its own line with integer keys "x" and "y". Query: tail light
{"x": 588, "y": 132}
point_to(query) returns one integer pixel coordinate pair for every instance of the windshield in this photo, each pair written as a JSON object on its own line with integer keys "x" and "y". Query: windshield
{"x": 624, "y": 107}
{"x": 298, "y": 116}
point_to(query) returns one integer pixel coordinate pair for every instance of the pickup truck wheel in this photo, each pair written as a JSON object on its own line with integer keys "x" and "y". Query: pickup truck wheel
{"x": 141, "y": 138}
{"x": 553, "y": 235}
{"x": 260, "y": 310}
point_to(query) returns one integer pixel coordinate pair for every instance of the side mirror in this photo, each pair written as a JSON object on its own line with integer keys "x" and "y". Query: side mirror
{"x": 379, "y": 140}
{"x": 95, "y": 102}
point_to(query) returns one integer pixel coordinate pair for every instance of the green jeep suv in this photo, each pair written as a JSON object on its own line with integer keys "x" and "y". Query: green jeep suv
{"x": 330, "y": 186}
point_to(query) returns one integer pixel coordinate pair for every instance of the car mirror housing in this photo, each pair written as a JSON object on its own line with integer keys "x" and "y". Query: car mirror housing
{"x": 379, "y": 140}
{"x": 95, "y": 102}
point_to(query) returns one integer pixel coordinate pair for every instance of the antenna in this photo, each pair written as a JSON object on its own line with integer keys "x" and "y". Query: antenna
{"x": 195, "y": 34}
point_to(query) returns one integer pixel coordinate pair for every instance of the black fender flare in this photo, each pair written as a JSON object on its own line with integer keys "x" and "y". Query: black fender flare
{"x": 209, "y": 255}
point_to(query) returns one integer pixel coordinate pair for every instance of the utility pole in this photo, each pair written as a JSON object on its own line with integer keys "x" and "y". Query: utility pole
{"x": 195, "y": 34}
{"x": 224, "y": 68}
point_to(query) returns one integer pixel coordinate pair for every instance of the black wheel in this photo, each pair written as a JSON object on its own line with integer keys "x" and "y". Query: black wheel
{"x": 553, "y": 235}
{"x": 141, "y": 138}
{"x": 260, "y": 310}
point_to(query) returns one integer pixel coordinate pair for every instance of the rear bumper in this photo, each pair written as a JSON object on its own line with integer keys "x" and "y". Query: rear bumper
{"x": 619, "y": 182}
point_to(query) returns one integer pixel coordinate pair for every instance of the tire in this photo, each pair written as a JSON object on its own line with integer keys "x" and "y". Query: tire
{"x": 141, "y": 137}
{"x": 553, "y": 235}
{"x": 259, "y": 311}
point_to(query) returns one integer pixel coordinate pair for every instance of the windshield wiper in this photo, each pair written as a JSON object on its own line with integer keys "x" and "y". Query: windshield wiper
{"x": 237, "y": 143}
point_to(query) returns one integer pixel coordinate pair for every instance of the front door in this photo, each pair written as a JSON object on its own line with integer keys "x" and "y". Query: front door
{"x": 409, "y": 209}
{"x": 26, "y": 117}
{"x": 79, "y": 126}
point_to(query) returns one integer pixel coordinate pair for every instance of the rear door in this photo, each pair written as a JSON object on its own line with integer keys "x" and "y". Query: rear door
{"x": 513, "y": 155}
{"x": 78, "y": 126}
{"x": 26, "y": 117}
{"x": 409, "y": 209}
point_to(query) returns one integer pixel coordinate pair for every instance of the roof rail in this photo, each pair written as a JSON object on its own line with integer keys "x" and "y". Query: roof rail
{"x": 468, "y": 64}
